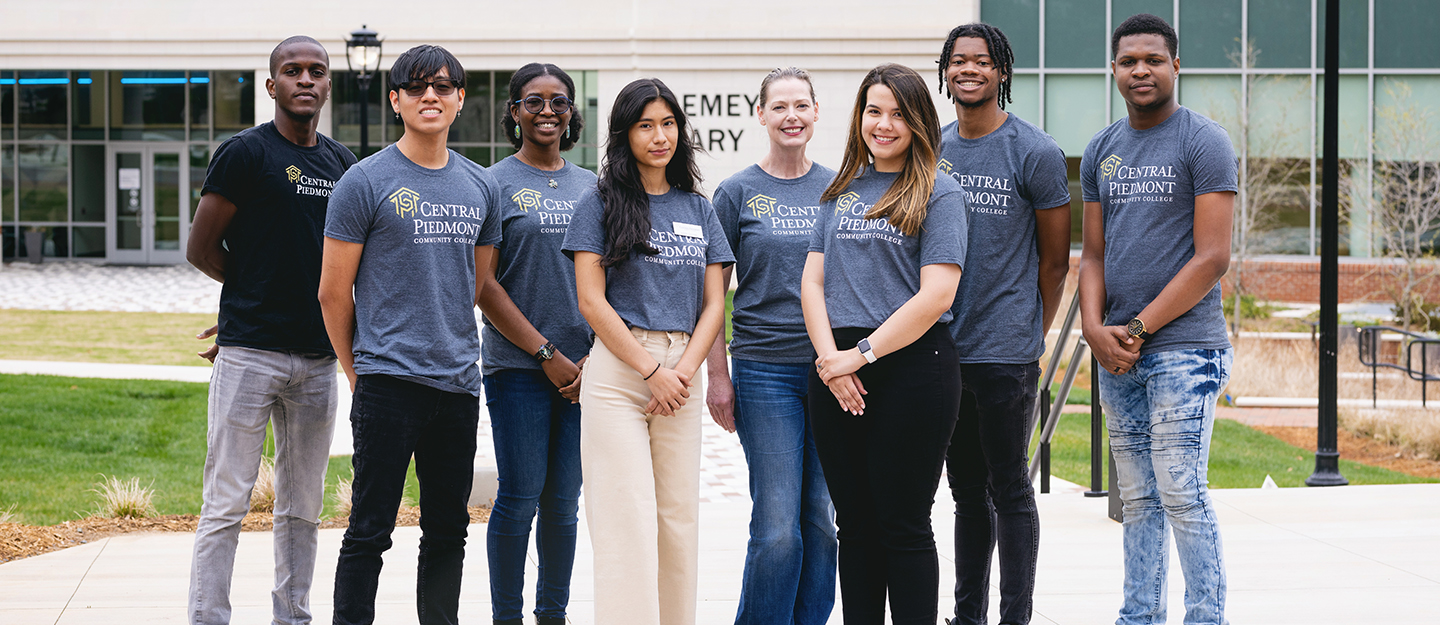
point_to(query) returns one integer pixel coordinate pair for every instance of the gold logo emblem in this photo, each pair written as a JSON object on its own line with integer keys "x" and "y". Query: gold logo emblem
{"x": 405, "y": 201}
{"x": 844, "y": 202}
{"x": 1109, "y": 165}
{"x": 527, "y": 199}
{"x": 761, "y": 204}
{"x": 944, "y": 166}
{"x": 293, "y": 172}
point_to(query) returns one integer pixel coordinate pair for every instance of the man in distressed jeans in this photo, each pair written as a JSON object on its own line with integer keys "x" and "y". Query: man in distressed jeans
{"x": 1159, "y": 188}
{"x": 258, "y": 230}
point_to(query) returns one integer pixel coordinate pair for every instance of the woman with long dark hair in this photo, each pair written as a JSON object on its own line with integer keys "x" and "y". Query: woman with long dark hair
{"x": 769, "y": 211}
{"x": 534, "y": 342}
{"x": 648, "y": 253}
{"x": 881, "y": 275}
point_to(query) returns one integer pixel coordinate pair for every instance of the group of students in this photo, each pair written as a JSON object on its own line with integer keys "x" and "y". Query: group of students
{"x": 862, "y": 363}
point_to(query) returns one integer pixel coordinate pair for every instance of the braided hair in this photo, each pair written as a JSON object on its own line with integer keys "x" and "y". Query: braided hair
{"x": 1000, "y": 54}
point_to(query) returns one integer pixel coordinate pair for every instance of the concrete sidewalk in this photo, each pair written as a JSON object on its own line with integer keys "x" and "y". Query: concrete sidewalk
{"x": 1357, "y": 554}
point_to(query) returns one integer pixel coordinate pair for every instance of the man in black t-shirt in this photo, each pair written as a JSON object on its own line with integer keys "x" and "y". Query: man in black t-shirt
{"x": 258, "y": 230}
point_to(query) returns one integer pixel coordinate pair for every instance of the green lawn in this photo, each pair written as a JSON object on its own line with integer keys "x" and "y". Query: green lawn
{"x": 1240, "y": 457}
{"x": 57, "y": 435}
{"x": 87, "y": 336}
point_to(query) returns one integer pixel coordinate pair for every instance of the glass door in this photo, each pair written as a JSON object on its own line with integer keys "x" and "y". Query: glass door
{"x": 145, "y": 193}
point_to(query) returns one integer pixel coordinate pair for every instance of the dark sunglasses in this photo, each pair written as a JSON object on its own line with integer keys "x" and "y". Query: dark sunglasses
{"x": 534, "y": 104}
{"x": 442, "y": 86}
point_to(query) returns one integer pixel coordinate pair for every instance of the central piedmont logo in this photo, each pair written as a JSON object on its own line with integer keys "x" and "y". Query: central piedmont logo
{"x": 1109, "y": 165}
{"x": 527, "y": 199}
{"x": 293, "y": 172}
{"x": 844, "y": 202}
{"x": 405, "y": 201}
{"x": 761, "y": 204}
{"x": 944, "y": 166}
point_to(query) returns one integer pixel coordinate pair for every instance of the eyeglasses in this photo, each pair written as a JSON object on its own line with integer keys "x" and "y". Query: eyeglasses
{"x": 443, "y": 87}
{"x": 534, "y": 104}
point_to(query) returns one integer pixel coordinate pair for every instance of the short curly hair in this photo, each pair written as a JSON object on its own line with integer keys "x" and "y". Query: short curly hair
{"x": 1145, "y": 24}
{"x": 522, "y": 77}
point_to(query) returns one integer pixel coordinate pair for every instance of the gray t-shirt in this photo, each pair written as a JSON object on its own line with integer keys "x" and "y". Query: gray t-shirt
{"x": 871, "y": 269}
{"x": 662, "y": 292}
{"x": 768, "y": 222}
{"x": 415, "y": 287}
{"x": 1007, "y": 176}
{"x": 1146, "y": 182}
{"x": 535, "y": 274}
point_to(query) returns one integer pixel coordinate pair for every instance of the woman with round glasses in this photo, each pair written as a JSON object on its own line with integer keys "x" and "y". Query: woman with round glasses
{"x": 768, "y": 211}
{"x": 534, "y": 342}
{"x": 648, "y": 256}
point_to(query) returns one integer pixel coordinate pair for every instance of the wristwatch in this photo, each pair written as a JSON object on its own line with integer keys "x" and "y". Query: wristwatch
{"x": 864, "y": 347}
{"x": 1136, "y": 328}
{"x": 547, "y": 351}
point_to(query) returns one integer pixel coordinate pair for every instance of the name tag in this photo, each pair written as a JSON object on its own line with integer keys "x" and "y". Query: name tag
{"x": 689, "y": 230}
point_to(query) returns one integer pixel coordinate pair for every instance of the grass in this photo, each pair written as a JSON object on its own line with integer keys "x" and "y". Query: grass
{"x": 1240, "y": 457}
{"x": 88, "y": 336}
{"x": 59, "y": 435}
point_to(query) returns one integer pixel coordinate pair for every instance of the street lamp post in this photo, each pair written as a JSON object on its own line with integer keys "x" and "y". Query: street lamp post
{"x": 362, "y": 55}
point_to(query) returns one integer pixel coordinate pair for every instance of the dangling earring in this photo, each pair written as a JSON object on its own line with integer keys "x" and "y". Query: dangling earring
{"x": 567, "y": 132}
{"x": 457, "y": 113}
{"x": 517, "y": 131}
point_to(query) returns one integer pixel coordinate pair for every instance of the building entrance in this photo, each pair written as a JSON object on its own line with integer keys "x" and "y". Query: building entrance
{"x": 144, "y": 214}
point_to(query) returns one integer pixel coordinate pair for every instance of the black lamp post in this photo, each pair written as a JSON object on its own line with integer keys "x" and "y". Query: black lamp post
{"x": 362, "y": 55}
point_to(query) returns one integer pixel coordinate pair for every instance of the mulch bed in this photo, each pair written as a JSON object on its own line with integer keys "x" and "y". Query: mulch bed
{"x": 22, "y": 541}
{"x": 1360, "y": 449}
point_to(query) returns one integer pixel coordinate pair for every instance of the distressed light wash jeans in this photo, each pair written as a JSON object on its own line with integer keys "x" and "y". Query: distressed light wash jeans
{"x": 248, "y": 389}
{"x": 1160, "y": 415}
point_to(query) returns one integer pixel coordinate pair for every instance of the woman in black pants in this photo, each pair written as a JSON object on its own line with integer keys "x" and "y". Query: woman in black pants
{"x": 879, "y": 280}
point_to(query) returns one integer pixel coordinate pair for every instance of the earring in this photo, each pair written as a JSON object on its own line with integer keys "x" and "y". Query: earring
{"x": 457, "y": 113}
{"x": 567, "y": 132}
{"x": 517, "y": 131}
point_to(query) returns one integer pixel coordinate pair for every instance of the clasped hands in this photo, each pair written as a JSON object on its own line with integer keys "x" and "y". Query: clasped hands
{"x": 1114, "y": 349}
{"x": 837, "y": 370}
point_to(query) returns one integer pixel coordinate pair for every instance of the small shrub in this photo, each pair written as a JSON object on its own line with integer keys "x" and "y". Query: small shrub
{"x": 1416, "y": 431}
{"x": 342, "y": 498}
{"x": 1423, "y": 315}
{"x": 262, "y": 496}
{"x": 1250, "y": 308}
{"x": 124, "y": 499}
{"x": 9, "y": 515}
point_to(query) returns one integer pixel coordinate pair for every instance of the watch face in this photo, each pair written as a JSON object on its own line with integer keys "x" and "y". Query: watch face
{"x": 1136, "y": 327}
{"x": 546, "y": 353}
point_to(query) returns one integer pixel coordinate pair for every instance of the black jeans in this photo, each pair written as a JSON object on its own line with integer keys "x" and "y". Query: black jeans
{"x": 883, "y": 468}
{"x": 392, "y": 419}
{"x": 990, "y": 481}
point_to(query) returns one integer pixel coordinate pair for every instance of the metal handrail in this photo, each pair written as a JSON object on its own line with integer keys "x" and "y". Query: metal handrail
{"x": 1046, "y": 420}
{"x": 1369, "y": 344}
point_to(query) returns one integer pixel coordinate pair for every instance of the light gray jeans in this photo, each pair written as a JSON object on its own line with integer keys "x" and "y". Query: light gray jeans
{"x": 249, "y": 388}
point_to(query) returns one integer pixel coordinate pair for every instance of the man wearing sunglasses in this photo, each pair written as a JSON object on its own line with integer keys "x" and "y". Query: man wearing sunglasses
{"x": 406, "y": 229}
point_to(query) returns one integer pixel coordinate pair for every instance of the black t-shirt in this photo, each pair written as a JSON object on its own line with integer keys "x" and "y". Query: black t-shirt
{"x": 272, "y": 275}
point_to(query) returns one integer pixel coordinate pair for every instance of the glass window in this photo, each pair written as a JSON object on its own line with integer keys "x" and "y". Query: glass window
{"x": 7, "y": 184}
{"x": 1405, "y": 33}
{"x": 89, "y": 243}
{"x": 1025, "y": 98}
{"x": 345, "y": 108}
{"x": 7, "y": 105}
{"x": 1074, "y": 110}
{"x": 1077, "y": 202}
{"x": 234, "y": 102}
{"x": 1122, "y": 9}
{"x": 1209, "y": 33}
{"x": 89, "y": 116}
{"x": 1075, "y": 33}
{"x": 587, "y": 87}
{"x": 1280, "y": 32}
{"x": 500, "y": 99}
{"x": 1407, "y": 117}
{"x": 54, "y": 241}
{"x": 199, "y": 165}
{"x": 481, "y": 156}
{"x": 472, "y": 126}
{"x": 43, "y": 104}
{"x": 1020, "y": 21}
{"x": 1354, "y": 111}
{"x": 1279, "y": 117}
{"x": 1354, "y": 33}
{"x": 1216, "y": 97}
{"x": 87, "y": 183}
{"x": 200, "y": 106}
{"x": 43, "y": 171}
{"x": 147, "y": 106}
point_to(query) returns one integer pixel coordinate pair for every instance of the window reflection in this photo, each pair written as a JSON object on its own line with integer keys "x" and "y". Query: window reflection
{"x": 42, "y": 105}
{"x": 42, "y": 189}
{"x": 147, "y": 106}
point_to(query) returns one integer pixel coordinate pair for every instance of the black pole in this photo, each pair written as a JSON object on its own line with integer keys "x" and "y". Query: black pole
{"x": 1327, "y": 456}
{"x": 1044, "y": 449}
{"x": 1097, "y": 423}
{"x": 364, "y": 80}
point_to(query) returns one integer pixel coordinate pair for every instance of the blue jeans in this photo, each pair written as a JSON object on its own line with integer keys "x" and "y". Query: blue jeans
{"x": 1160, "y": 415}
{"x": 537, "y": 451}
{"x": 393, "y": 419}
{"x": 790, "y": 562}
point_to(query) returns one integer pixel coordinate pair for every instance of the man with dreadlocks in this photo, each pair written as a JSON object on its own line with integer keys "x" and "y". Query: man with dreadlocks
{"x": 1014, "y": 178}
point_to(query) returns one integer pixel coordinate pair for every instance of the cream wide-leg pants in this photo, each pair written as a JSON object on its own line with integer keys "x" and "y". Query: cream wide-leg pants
{"x": 642, "y": 488}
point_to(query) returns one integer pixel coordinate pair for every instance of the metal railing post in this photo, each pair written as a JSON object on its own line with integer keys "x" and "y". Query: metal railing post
{"x": 1097, "y": 422}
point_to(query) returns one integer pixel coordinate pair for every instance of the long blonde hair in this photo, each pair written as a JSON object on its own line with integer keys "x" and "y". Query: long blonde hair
{"x": 904, "y": 204}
